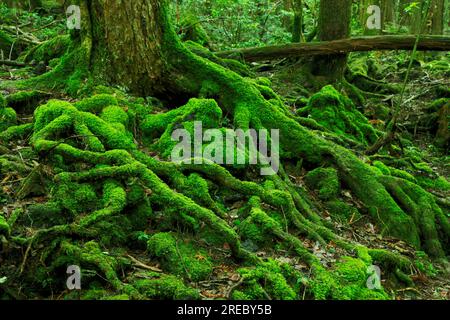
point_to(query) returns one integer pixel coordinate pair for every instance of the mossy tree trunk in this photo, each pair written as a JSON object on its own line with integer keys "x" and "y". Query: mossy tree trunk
{"x": 127, "y": 42}
{"x": 334, "y": 24}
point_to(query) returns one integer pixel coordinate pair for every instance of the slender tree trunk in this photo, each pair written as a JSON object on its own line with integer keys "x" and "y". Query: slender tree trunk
{"x": 287, "y": 21}
{"x": 435, "y": 24}
{"x": 411, "y": 19}
{"x": 364, "y": 15}
{"x": 23, "y": 4}
{"x": 388, "y": 16}
{"x": 297, "y": 28}
{"x": 334, "y": 24}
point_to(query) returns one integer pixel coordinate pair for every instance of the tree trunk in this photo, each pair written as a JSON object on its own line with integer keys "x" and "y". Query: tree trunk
{"x": 287, "y": 21}
{"x": 23, "y": 4}
{"x": 334, "y": 24}
{"x": 297, "y": 27}
{"x": 435, "y": 23}
{"x": 127, "y": 43}
{"x": 365, "y": 15}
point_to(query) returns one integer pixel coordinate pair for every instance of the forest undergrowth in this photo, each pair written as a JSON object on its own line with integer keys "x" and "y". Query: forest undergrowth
{"x": 86, "y": 180}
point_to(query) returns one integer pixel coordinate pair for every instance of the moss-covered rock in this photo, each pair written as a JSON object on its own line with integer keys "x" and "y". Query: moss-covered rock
{"x": 4, "y": 226}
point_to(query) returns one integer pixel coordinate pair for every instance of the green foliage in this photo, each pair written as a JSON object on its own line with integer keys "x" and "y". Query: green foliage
{"x": 44, "y": 26}
{"x": 231, "y": 23}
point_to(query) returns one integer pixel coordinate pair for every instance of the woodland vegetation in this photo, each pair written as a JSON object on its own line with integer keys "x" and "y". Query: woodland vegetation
{"x": 86, "y": 122}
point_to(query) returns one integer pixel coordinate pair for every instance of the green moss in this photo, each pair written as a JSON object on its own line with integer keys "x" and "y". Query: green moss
{"x": 6, "y": 41}
{"x": 248, "y": 230}
{"x": 162, "y": 125}
{"x": 180, "y": 258}
{"x": 338, "y": 114}
{"x": 25, "y": 101}
{"x": 45, "y": 214}
{"x": 342, "y": 210}
{"x": 115, "y": 114}
{"x": 4, "y": 226}
{"x": 389, "y": 171}
{"x": 347, "y": 281}
{"x": 433, "y": 183}
{"x": 268, "y": 280}
{"x": 389, "y": 260}
{"x": 384, "y": 169}
{"x": 91, "y": 255}
{"x": 326, "y": 181}
{"x": 193, "y": 30}
{"x": 424, "y": 264}
{"x": 71, "y": 75}
{"x": 76, "y": 198}
{"x": 8, "y": 118}
{"x": 165, "y": 287}
{"x": 2, "y": 102}
{"x": 97, "y": 103}
{"x": 48, "y": 50}
{"x": 436, "y": 105}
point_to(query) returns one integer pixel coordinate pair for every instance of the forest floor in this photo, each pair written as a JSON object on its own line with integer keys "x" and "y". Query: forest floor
{"x": 22, "y": 191}
{"x": 419, "y": 95}
{"x": 225, "y": 276}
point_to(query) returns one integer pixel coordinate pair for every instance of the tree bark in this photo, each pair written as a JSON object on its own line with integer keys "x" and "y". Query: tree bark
{"x": 334, "y": 24}
{"x": 388, "y": 16}
{"x": 426, "y": 43}
{"x": 127, "y": 43}
{"x": 297, "y": 27}
{"x": 436, "y": 17}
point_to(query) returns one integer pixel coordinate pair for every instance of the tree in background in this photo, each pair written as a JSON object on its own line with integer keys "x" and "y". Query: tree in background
{"x": 334, "y": 24}
{"x": 297, "y": 28}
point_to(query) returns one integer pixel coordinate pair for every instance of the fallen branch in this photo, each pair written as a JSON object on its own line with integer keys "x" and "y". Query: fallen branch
{"x": 426, "y": 43}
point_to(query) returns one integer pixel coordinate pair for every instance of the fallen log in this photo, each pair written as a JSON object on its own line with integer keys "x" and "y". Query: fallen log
{"x": 426, "y": 43}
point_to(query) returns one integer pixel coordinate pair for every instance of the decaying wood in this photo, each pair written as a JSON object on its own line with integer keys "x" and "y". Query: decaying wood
{"x": 426, "y": 43}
